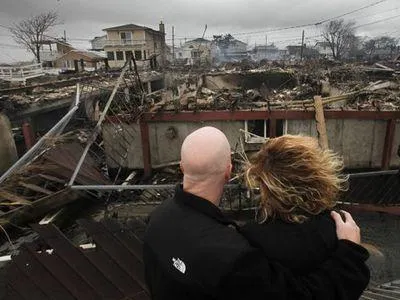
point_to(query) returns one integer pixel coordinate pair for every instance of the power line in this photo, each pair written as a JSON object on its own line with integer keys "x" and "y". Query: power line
{"x": 351, "y": 12}
{"x": 378, "y": 21}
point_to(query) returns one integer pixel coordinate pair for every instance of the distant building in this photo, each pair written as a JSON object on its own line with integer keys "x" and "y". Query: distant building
{"x": 324, "y": 49}
{"x": 98, "y": 43}
{"x": 145, "y": 44}
{"x": 294, "y": 52}
{"x": 270, "y": 52}
{"x": 195, "y": 51}
{"x": 236, "y": 51}
{"x": 51, "y": 49}
{"x": 80, "y": 59}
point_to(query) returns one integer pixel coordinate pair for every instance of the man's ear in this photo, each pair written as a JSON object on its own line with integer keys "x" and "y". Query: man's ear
{"x": 228, "y": 172}
{"x": 182, "y": 169}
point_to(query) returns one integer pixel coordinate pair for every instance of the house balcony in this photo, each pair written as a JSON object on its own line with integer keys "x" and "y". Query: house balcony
{"x": 124, "y": 43}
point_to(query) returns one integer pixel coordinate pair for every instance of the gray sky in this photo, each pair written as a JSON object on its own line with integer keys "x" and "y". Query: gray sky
{"x": 84, "y": 20}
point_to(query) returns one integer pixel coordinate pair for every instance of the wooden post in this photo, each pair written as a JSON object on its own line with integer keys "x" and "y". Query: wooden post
{"x": 272, "y": 128}
{"x": 388, "y": 145}
{"x": 320, "y": 120}
{"x": 76, "y": 65}
{"x": 173, "y": 45}
{"x": 29, "y": 136}
{"x": 302, "y": 47}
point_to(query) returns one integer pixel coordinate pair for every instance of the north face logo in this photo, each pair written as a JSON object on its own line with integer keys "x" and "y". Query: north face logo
{"x": 179, "y": 265}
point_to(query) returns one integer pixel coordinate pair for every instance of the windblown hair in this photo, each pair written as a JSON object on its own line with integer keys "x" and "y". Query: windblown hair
{"x": 296, "y": 178}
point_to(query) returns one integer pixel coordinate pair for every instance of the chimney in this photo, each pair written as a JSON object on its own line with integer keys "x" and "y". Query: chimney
{"x": 162, "y": 27}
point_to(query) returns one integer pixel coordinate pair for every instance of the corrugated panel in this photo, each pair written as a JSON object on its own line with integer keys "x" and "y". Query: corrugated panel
{"x": 112, "y": 270}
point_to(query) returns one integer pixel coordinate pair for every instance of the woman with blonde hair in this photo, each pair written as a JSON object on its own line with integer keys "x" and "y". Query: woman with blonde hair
{"x": 299, "y": 184}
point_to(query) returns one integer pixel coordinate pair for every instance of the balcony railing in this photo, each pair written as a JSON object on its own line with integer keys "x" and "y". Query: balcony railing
{"x": 124, "y": 43}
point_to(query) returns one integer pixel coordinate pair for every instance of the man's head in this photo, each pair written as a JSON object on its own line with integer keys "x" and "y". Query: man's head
{"x": 206, "y": 158}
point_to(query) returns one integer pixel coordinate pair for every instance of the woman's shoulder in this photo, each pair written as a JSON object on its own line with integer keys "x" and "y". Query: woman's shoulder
{"x": 297, "y": 246}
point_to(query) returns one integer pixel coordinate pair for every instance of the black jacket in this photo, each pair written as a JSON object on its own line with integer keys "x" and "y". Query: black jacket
{"x": 191, "y": 251}
{"x": 299, "y": 247}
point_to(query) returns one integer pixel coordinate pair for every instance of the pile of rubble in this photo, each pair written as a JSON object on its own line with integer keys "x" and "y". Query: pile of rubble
{"x": 342, "y": 87}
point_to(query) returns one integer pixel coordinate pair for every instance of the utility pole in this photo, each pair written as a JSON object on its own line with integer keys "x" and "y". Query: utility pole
{"x": 302, "y": 47}
{"x": 65, "y": 36}
{"x": 173, "y": 45}
{"x": 266, "y": 40}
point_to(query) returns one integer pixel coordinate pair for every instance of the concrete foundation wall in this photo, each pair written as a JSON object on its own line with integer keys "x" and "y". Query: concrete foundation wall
{"x": 359, "y": 141}
{"x": 8, "y": 151}
{"x": 166, "y": 139}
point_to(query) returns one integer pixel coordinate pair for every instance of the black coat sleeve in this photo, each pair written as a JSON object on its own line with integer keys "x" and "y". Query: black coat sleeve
{"x": 343, "y": 276}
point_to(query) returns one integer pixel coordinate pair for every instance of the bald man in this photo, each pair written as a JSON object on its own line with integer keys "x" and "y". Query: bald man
{"x": 192, "y": 251}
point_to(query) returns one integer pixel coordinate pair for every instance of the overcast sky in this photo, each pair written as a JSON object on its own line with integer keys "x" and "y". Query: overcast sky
{"x": 256, "y": 19}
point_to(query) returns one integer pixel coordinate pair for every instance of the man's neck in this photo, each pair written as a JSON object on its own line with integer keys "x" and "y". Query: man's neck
{"x": 206, "y": 190}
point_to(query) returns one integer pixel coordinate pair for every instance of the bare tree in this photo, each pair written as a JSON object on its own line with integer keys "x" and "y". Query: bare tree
{"x": 340, "y": 36}
{"x": 31, "y": 32}
{"x": 387, "y": 43}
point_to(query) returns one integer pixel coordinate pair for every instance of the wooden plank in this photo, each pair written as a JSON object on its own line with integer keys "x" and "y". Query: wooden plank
{"x": 25, "y": 287}
{"x": 388, "y": 144}
{"x": 120, "y": 254}
{"x": 126, "y": 238}
{"x": 40, "y": 276}
{"x": 13, "y": 198}
{"x": 320, "y": 120}
{"x": 52, "y": 178}
{"x": 77, "y": 261}
{"x": 35, "y": 188}
{"x": 113, "y": 272}
{"x": 75, "y": 284}
{"x": 40, "y": 207}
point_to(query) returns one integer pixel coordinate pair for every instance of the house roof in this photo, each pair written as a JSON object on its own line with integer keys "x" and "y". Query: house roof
{"x": 90, "y": 56}
{"x": 235, "y": 41}
{"x": 131, "y": 27}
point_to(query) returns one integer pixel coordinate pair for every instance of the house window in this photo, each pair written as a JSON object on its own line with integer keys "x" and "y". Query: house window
{"x": 120, "y": 55}
{"x": 256, "y": 131}
{"x": 138, "y": 54}
{"x": 126, "y": 37}
{"x": 110, "y": 55}
{"x": 144, "y": 54}
{"x": 195, "y": 54}
{"x": 128, "y": 55}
